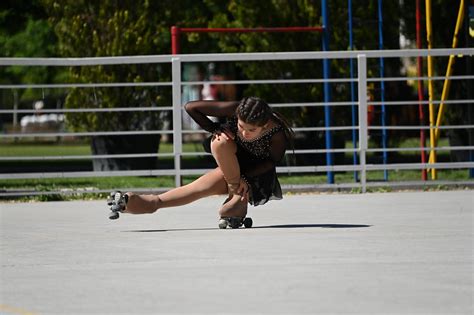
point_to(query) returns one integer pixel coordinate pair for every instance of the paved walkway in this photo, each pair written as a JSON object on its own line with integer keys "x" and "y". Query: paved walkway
{"x": 403, "y": 253}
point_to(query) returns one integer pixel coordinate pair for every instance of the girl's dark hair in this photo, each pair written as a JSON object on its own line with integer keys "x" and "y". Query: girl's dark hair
{"x": 256, "y": 111}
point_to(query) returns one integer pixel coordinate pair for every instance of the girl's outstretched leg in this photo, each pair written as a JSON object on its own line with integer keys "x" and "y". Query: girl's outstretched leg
{"x": 209, "y": 184}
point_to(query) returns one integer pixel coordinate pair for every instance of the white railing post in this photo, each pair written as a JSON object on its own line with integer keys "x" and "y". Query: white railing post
{"x": 363, "y": 132}
{"x": 177, "y": 121}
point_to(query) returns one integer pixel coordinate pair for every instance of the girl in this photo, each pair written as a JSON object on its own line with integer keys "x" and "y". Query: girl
{"x": 246, "y": 147}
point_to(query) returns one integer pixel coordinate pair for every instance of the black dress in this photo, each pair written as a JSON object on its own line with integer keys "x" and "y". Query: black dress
{"x": 254, "y": 157}
{"x": 257, "y": 158}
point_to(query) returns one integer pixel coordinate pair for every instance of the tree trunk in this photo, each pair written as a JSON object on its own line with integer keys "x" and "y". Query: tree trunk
{"x": 128, "y": 144}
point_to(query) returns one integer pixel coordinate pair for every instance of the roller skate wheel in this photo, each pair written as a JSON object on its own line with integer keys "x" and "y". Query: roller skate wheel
{"x": 223, "y": 224}
{"x": 110, "y": 198}
{"x": 114, "y": 215}
{"x": 116, "y": 208}
{"x": 235, "y": 223}
{"x": 248, "y": 222}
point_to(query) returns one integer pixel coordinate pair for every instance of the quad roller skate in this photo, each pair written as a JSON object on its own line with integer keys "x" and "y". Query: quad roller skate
{"x": 235, "y": 222}
{"x": 117, "y": 202}
{"x": 234, "y": 210}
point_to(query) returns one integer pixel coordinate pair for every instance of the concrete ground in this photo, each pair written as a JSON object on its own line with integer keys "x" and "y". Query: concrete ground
{"x": 377, "y": 253}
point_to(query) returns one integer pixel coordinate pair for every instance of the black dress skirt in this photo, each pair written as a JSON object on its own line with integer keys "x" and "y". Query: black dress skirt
{"x": 250, "y": 154}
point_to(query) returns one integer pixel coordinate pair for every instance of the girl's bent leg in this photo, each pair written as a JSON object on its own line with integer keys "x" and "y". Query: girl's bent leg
{"x": 212, "y": 183}
{"x": 224, "y": 151}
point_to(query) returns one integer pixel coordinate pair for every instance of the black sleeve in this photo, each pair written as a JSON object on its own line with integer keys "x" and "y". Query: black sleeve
{"x": 200, "y": 110}
{"x": 277, "y": 149}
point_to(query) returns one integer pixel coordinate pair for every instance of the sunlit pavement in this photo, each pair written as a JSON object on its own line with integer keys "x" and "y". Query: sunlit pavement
{"x": 377, "y": 253}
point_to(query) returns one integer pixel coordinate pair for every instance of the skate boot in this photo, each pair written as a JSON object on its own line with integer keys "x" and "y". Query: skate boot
{"x": 235, "y": 222}
{"x": 234, "y": 210}
{"x": 117, "y": 202}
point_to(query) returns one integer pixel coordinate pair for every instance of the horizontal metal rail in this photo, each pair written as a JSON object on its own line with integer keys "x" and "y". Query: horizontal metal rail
{"x": 285, "y": 187}
{"x": 84, "y": 157}
{"x": 221, "y": 82}
{"x": 83, "y": 85}
{"x": 95, "y": 61}
{"x": 420, "y": 127}
{"x": 282, "y": 169}
{"x": 290, "y": 152}
{"x": 278, "y": 105}
{"x": 416, "y": 102}
{"x": 451, "y": 148}
{"x": 87, "y": 110}
{"x": 276, "y": 81}
{"x": 434, "y": 78}
{"x": 84, "y": 134}
{"x": 164, "y": 132}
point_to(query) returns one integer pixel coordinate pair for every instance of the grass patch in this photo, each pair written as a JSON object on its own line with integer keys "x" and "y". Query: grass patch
{"x": 40, "y": 149}
{"x": 393, "y": 176}
{"x": 56, "y": 149}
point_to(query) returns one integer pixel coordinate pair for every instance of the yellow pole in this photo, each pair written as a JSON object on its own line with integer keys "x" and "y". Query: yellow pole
{"x": 430, "y": 88}
{"x": 449, "y": 71}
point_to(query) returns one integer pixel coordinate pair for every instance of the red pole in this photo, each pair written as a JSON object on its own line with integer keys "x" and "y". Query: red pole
{"x": 175, "y": 32}
{"x": 251, "y": 30}
{"x": 420, "y": 89}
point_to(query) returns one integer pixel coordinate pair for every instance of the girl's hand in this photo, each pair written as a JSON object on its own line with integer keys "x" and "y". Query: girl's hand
{"x": 224, "y": 132}
{"x": 230, "y": 135}
{"x": 243, "y": 190}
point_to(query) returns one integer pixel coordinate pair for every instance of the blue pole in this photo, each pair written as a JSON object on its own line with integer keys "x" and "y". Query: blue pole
{"x": 470, "y": 110}
{"x": 382, "y": 91}
{"x": 327, "y": 90}
{"x": 353, "y": 108}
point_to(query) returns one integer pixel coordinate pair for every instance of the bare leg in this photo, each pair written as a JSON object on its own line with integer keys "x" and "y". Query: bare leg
{"x": 209, "y": 184}
{"x": 224, "y": 152}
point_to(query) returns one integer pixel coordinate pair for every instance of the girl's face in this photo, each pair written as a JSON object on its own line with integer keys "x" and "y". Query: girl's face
{"x": 248, "y": 131}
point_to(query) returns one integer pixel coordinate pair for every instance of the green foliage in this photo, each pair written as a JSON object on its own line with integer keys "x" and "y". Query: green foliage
{"x": 35, "y": 40}
{"x": 119, "y": 28}
{"x": 244, "y": 13}
{"x": 25, "y": 32}
{"x": 85, "y": 28}
{"x": 110, "y": 28}
{"x": 103, "y": 28}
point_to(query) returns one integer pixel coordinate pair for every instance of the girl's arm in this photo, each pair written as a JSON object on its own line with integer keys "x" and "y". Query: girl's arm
{"x": 199, "y": 110}
{"x": 277, "y": 149}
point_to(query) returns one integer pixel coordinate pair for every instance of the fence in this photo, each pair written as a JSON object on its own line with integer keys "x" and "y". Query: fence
{"x": 360, "y": 148}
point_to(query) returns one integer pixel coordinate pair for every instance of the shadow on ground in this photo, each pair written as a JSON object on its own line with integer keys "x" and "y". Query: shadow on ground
{"x": 284, "y": 226}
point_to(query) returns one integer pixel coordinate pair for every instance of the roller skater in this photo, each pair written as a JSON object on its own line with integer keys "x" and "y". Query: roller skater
{"x": 246, "y": 147}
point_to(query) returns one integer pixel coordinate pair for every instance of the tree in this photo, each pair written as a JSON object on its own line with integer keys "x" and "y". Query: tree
{"x": 25, "y": 32}
{"x": 244, "y": 13}
{"x": 117, "y": 28}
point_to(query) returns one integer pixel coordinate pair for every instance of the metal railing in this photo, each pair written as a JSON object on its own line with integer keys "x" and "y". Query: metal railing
{"x": 176, "y": 84}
